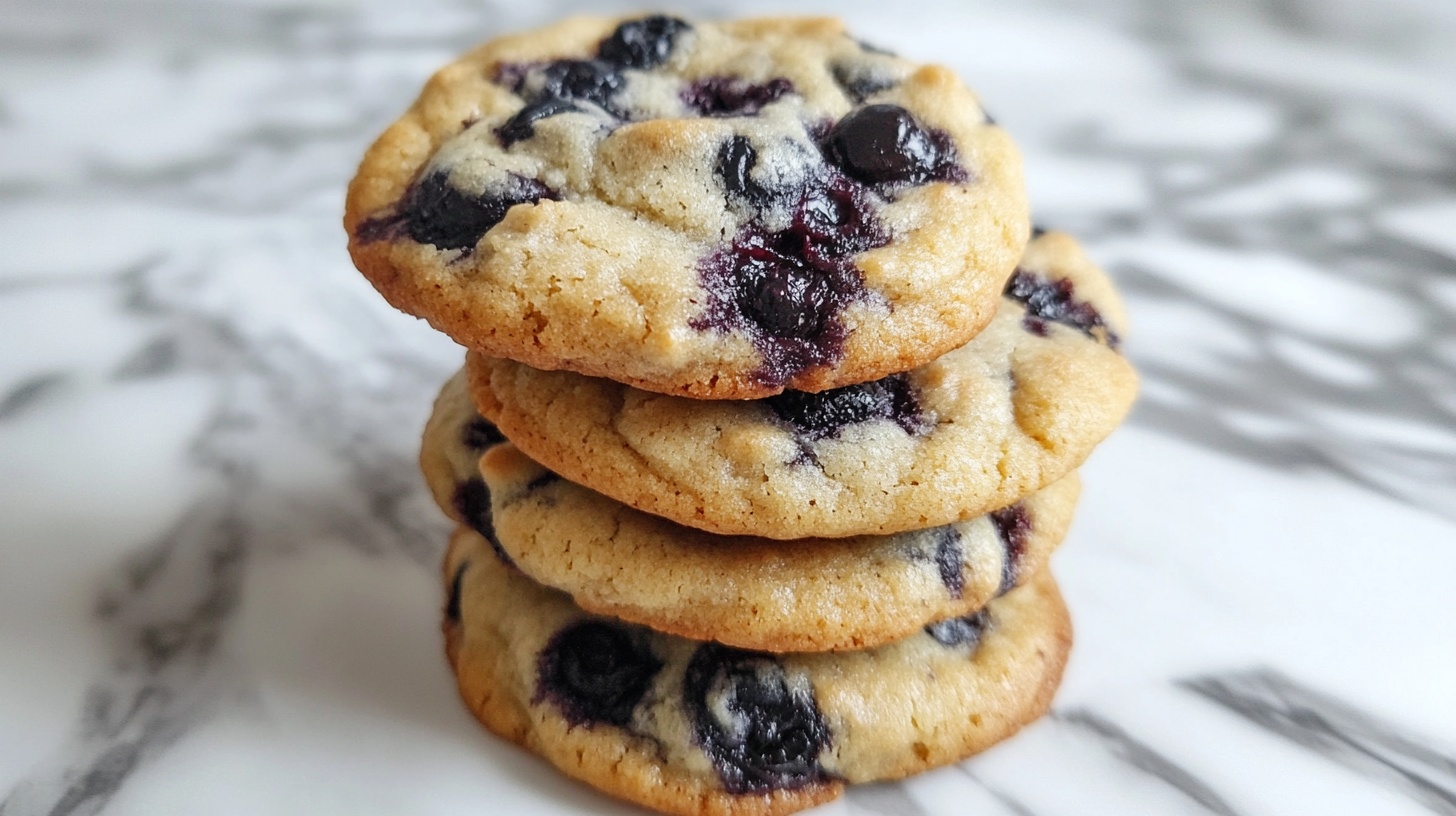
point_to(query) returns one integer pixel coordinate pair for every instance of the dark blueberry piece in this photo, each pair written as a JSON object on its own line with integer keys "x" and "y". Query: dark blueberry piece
{"x": 523, "y": 124}
{"x": 480, "y": 433}
{"x": 964, "y": 631}
{"x": 883, "y": 144}
{"x": 835, "y": 219}
{"x": 1014, "y": 526}
{"x": 541, "y": 481}
{"x": 826, "y": 413}
{"x": 731, "y": 96}
{"x": 1056, "y": 301}
{"x": 452, "y": 604}
{"x": 786, "y": 289}
{"x": 644, "y": 43}
{"x": 472, "y": 502}
{"x": 860, "y": 82}
{"x": 513, "y": 75}
{"x": 760, "y": 734}
{"x": 1037, "y": 231}
{"x": 736, "y": 160}
{"x": 784, "y": 298}
{"x": 874, "y": 49}
{"x": 436, "y": 213}
{"x": 949, "y": 557}
{"x": 595, "y": 672}
{"x": 595, "y": 81}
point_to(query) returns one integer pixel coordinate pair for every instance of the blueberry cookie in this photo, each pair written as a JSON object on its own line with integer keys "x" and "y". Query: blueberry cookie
{"x": 754, "y": 593}
{"x": 717, "y": 210}
{"x": 1015, "y": 409}
{"x": 695, "y": 727}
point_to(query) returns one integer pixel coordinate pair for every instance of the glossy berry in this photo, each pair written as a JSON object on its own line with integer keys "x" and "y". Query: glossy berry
{"x": 1013, "y": 524}
{"x": 835, "y": 219}
{"x": 785, "y": 289}
{"x": 479, "y": 434}
{"x": 760, "y": 733}
{"x": 957, "y": 632}
{"x": 827, "y": 413}
{"x": 595, "y": 672}
{"x": 783, "y": 297}
{"x": 736, "y": 160}
{"x": 1056, "y": 301}
{"x": 523, "y": 124}
{"x": 595, "y": 81}
{"x": 731, "y": 96}
{"x": 644, "y": 43}
{"x": 883, "y": 144}
{"x": 434, "y": 212}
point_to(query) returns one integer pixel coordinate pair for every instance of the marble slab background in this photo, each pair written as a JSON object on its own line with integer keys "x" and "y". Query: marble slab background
{"x": 217, "y": 563}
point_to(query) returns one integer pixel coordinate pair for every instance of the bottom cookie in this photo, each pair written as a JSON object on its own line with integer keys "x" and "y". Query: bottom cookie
{"x": 694, "y": 727}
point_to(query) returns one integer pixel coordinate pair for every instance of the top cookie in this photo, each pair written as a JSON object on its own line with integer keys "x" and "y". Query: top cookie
{"x": 715, "y": 210}
{"x": 1016, "y": 408}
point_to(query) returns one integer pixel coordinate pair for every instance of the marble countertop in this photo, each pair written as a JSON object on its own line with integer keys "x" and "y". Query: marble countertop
{"x": 218, "y": 565}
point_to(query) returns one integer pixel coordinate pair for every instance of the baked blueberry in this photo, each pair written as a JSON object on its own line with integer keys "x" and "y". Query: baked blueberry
{"x": 452, "y": 603}
{"x": 859, "y": 82}
{"x": 949, "y": 555}
{"x": 963, "y": 631}
{"x": 1056, "y": 301}
{"x": 595, "y": 81}
{"x": 523, "y": 124}
{"x": 736, "y": 160}
{"x": 760, "y": 731}
{"x": 595, "y": 672}
{"x": 827, "y": 413}
{"x": 1013, "y": 524}
{"x": 436, "y": 213}
{"x": 731, "y": 96}
{"x": 644, "y": 43}
{"x": 472, "y": 503}
{"x": 480, "y": 433}
{"x": 884, "y": 144}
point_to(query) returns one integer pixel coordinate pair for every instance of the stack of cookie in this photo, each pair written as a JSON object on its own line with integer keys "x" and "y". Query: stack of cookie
{"x": 771, "y": 411}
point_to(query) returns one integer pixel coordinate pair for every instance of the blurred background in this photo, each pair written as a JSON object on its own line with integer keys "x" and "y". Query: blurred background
{"x": 210, "y": 516}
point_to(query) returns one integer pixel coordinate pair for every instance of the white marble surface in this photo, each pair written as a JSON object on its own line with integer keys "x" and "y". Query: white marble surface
{"x": 218, "y": 587}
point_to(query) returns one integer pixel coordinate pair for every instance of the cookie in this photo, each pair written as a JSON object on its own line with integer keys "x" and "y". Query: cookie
{"x": 690, "y": 727}
{"x": 752, "y": 593}
{"x": 717, "y": 210}
{"x": 1015, "y": 409}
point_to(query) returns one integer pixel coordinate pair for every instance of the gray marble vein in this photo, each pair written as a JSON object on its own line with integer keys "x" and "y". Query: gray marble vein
{"x": 1338, "y": 731}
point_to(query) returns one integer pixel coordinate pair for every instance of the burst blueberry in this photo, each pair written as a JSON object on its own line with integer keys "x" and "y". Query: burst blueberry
{"x": 1056, "y": 301}
{"x": 885, "y": 145}
{"x": 761, "y": 732}
{"x": 437, "y": 213}
{"x": 595, "y": 672}
{"x": 960, "y": 632}
{"x": 523, "y": 124}
{"x": 644, "y": 43}
{"x": 593, "y": 81}
{"x": 827, "y": 413}
{"x": 731, "y": 96}
{"x": 1013, "y": 525}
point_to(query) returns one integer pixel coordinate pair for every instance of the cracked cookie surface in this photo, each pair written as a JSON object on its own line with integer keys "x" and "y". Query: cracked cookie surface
{"x": 690, "y": 727}
{"x": 1015, "y": 409}
{"x": 717, "y": 210}
{"x": 743, "y": 591}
